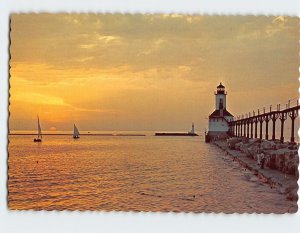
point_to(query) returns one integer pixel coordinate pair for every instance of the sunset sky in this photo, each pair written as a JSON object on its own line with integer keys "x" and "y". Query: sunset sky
{"x": 146, "y": 72}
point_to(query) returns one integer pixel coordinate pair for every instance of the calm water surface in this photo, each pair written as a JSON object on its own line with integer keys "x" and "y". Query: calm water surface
{"x": 133, "y": 174}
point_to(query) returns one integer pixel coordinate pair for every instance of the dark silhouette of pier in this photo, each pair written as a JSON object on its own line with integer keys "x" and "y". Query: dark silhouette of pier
{"x": 247, "y": 125}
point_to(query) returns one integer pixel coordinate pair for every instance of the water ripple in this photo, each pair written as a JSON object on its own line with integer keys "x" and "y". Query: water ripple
{"x": 133, "y": 174}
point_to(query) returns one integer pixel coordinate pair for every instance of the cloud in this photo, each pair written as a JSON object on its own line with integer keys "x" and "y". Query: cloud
{"x": 116, "y": 39}
{"x": 37, "y": 98}
{"x": 110, "y": 60}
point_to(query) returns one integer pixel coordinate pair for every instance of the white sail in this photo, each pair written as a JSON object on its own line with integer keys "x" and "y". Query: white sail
{"x": 39, "y": 129}
{"x": 76, "y": 132}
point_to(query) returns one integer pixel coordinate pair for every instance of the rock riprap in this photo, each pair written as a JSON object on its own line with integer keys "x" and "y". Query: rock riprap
{"x": 278, "y": 156}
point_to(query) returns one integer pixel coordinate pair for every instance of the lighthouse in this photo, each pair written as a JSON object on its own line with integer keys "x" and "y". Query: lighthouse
{"x": 218, "y": 125}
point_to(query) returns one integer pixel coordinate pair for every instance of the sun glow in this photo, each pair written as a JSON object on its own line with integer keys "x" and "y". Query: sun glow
{"x": 145, "y": 72}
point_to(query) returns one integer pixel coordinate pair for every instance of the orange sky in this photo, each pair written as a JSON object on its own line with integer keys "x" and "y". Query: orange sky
{"x": 146, "y": 72}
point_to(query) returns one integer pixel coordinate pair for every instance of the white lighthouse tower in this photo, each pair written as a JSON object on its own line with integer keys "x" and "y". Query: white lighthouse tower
{"x": 218, "y": 125}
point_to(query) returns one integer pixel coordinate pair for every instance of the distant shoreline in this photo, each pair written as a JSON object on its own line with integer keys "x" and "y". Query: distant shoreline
{"x": 70, "y": 134}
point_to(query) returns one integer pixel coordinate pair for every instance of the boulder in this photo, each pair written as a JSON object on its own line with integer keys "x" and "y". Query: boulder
{"x": 293, "y": 147}
{"x": 238, "y": 146}
{"x": 271, "y": 161}
{"x": 292, "y": 195}
{"x": 245, "y": 140}
{"x": 292, "y": 155}
{"x": 268, "y": 145}
{"x": 231, "y": 142}
{"x": 254, "y": 140}
{"x": 252, "y": 150}
{"x": 282, "y": 145}
{"x": 291, "y": 168}
{"x": 277, "y": 141}
{"x": 280, "y": 158}
{"x": 295, "y": 152}
{"x": 244, "y": 148}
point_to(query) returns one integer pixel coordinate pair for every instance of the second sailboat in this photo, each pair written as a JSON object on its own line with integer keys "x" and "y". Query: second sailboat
{"x": 75, "y": 133}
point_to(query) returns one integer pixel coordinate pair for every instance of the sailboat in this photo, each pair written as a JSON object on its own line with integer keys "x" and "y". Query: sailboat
{"x": 39, "y": 136}
{"x": 76, "y": 132}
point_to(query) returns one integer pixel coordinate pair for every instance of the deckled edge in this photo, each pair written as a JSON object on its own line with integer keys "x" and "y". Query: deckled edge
{"x": 141, "y": 13}
{"x": 8, "y": 106}
{"x": 298, "y": 110}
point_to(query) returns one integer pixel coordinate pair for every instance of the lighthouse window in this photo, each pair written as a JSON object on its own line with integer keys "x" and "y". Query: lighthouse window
{"x": 221, "y": 104}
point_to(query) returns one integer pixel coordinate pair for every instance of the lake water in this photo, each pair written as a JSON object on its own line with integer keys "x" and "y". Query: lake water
{"x": 133, "y": 173}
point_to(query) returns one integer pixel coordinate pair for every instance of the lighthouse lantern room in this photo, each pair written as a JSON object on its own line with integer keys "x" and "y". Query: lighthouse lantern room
{"x": 218, "y": 125}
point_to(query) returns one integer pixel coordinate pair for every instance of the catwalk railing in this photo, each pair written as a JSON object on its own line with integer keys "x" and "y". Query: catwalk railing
{"x": 247, "y": 125}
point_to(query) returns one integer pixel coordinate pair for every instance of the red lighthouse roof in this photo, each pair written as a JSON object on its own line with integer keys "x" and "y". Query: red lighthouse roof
{"x": 217, "y": 113}
{"x": 220, "y": 86}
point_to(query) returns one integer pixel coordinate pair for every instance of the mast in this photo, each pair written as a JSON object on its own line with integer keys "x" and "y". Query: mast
{"x": 39, "y": 128}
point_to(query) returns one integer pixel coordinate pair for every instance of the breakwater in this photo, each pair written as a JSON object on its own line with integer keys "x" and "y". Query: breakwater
{"x": 281, "y": 161}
